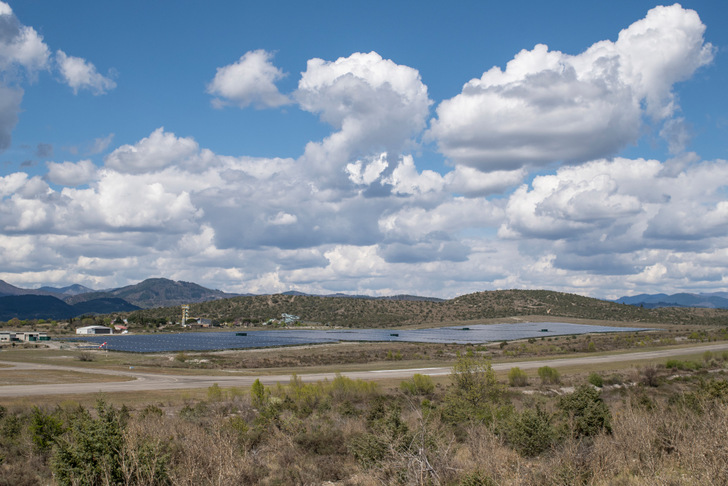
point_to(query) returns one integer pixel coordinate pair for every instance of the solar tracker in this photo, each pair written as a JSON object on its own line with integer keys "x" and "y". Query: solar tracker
{"x": 472, "y": 334}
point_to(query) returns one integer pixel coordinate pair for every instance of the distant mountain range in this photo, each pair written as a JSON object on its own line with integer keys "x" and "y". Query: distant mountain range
{"x": 74, "y": 289}
{"x": 156, "y": 292}
{"x": 76, "y": 300}
{"x": 715, "y": 300}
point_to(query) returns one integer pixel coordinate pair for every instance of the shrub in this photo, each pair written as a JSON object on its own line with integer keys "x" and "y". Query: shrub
{"x": 214, "y": 393}
{"x": 587, "y": 413}
{"x": 258, "y": 394}
{"x": 677, "y": 364}
{"x": 44, "y": 429}
{"x": 151, "y": 411}
{"x": 89, "y": 452}
{"x": 343, "y": 388}
{"x": 476, "y": 478}
{"x": 530, "y": 432}
{"x": 474, "y": 391}
{"x": 386, "y": 433}
{"x": 517, "y": 377}
{"x": 650, "y": 376}
{"x": 418, "y": 385}
{"x": 596, "y": 379}
{"x": 549, "y": 375}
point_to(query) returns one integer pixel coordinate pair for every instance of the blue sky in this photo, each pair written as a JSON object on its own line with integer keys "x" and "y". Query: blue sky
{"x": 365, "y": 147}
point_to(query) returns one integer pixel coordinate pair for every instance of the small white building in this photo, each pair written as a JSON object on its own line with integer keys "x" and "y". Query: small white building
{"x": 94, "y": 330}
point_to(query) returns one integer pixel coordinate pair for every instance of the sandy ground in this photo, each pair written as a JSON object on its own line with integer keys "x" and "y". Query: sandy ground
{"x": 151, "y": 381}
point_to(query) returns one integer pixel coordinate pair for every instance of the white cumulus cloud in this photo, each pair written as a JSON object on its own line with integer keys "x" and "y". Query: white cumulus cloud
{"x": 249, "y": 81}
{"x": 374, "y": 104}
{"x": 80, "y": 74}
{"x": 70, "y": 173}
{"x": 158, "y": 151}
{"x": 20, "y": 44}
{"x": 547, "y": 106}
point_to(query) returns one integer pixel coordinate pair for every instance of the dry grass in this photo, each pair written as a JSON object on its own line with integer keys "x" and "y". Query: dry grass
{"x": 35, "y": 377}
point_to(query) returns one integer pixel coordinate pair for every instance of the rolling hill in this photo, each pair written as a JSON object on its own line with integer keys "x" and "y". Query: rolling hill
{"x": 353, "y": 312}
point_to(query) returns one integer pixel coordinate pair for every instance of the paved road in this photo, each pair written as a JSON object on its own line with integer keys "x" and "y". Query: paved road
{"x": 152, "y": 381}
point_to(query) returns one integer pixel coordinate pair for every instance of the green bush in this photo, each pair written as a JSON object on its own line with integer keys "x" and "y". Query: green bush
{"x": 596, "y": 379}
{"x": 549, "y": 375}
{"x": 517, "y": 377}
{"x": 258, "y": 394}
{"x": 530, "y": 432}
{"x": 89, "y": 452}
{"x": 676, "y": 364}
{"x": 587, "y": 413}
{"x": 474, "y": 392}
{"x": 215, "y": 393}
{"x": 418, "y": 385}
{"x": 44, "y": 429}
{"x": 386, "y": 433}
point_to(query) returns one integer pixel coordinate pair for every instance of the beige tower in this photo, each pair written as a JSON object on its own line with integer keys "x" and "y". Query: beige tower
{"x": 185, "y": 313}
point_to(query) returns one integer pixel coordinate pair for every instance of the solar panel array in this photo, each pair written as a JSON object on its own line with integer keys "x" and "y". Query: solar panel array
{"x": 473, "y": 334}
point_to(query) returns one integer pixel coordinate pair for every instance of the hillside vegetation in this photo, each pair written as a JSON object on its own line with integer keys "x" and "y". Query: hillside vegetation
{"x": 352, "y": 312}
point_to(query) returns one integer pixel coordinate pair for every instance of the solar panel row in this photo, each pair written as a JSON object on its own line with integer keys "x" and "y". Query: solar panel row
{"x": 209, "y": 341}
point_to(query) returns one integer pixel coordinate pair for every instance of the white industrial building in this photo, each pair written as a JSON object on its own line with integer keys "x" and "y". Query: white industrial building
{"x": 94, "y": 330}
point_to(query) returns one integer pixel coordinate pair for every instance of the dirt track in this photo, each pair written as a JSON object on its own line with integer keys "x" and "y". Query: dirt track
{"x": 151, "y": 381}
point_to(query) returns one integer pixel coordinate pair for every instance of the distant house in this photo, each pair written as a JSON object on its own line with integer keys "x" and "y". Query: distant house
{"x": 94, "y": 330}
{"x": 119, "y": 327}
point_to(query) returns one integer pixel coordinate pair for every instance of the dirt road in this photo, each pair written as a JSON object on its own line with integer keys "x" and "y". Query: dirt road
{"x": 151, "y": 381}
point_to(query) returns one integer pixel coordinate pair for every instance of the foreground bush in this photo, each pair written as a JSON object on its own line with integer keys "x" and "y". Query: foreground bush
{"x": 530, "y": 432}
{"x": 587, "y": 413}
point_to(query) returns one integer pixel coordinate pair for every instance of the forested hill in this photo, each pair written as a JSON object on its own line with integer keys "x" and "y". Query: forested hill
{"x": 480, "y": 305}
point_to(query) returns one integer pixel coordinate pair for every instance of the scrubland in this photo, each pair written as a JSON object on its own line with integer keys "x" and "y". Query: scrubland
{"x": 663, "y": 424}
